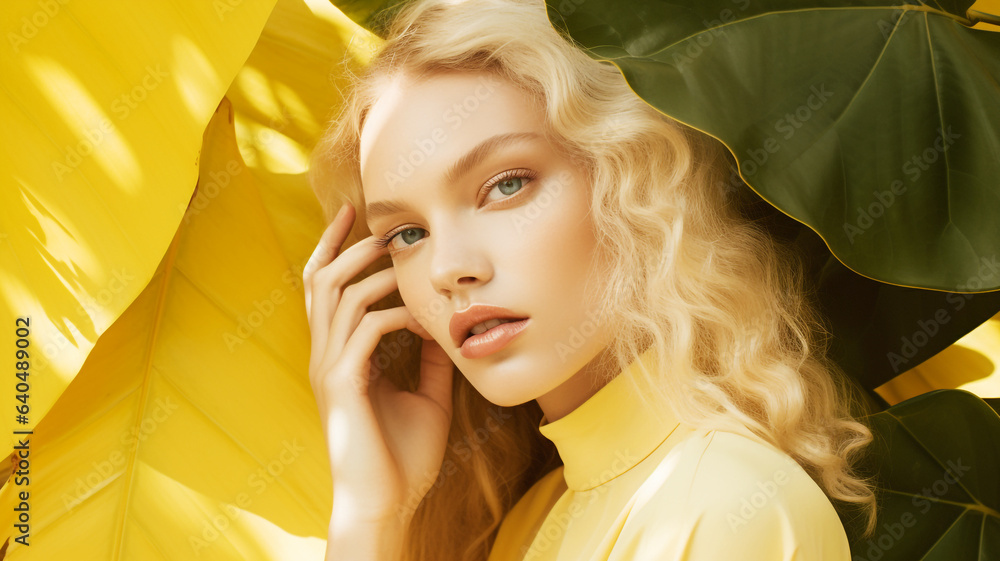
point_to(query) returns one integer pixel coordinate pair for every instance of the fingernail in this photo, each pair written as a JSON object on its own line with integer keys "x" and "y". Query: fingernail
{"x": 343, "y": 209}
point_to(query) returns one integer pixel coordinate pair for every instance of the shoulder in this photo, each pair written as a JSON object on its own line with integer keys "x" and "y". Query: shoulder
{"x": 540, "y": 497}
{"x": 721, "y": 494}
{"x": 522, "y": 522}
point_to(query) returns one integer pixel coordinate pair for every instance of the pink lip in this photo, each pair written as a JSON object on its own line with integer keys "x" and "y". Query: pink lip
{"x": 462, "y": 322}
{"x": 492, "y": 340}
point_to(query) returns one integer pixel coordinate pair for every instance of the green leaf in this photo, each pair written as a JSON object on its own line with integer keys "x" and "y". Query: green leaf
{"x": 878, "y": 330}
{"x": 936, "y": 457}
{"x": 874, "y": 123}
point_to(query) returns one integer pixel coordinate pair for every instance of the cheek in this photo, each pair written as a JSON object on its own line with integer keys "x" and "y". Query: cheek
{"x": 406, "y": 285}
{"x": 419, "y": 298}
{"x": 567, "y": 235}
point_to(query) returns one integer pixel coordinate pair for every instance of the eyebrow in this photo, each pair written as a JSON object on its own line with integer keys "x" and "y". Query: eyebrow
{"x": 471, "y": 159}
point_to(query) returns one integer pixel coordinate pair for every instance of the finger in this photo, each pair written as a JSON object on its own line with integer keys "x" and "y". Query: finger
{"x": 328, "y": 285}
{"x": 419, "y": 330}
{"x": 353, "y": 371}
{"x": 353, "y": 305}
{"x": 328, "y": 246}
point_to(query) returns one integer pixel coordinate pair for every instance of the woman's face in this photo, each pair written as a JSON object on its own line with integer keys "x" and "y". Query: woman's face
{"x": 489, "y": 213}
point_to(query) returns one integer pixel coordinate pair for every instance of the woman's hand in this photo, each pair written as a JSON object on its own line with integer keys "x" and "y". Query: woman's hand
{"x": 386, "y": 445}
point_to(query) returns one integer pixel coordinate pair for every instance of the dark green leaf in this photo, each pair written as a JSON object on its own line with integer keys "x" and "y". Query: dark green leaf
{"x": 936, "y": 458}
{"x": 879, "y": 330}
{"x": 876, "y": 123}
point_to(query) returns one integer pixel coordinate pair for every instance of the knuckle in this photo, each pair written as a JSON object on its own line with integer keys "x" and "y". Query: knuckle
{"x": 360, "y": 297}
{"x": 329, "y": 384}
{"x": 372, "y": 320}
{"x": 350, "y": 294}
{"x": 326, "y": 379}
{"x": 312, "y": 282}
{"x": 368, "y": 320}
{"x": 326, "y": 277}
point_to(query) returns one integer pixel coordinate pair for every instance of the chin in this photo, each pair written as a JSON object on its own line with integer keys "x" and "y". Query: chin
{"x": 496, "y": 393}
{"x": 506, "y": 400}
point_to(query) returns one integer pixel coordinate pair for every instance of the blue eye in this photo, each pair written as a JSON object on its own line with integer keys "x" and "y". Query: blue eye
{"x": 408, "y": 234}
{"x": 508, "y": 183}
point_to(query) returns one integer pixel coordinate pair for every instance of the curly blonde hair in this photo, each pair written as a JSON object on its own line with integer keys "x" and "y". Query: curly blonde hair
{"x": 691, "y": 278}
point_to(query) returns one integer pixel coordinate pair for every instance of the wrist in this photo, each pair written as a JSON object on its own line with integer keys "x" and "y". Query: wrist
{"x": 377, "y": 540}
{"x": 353, "y": 509}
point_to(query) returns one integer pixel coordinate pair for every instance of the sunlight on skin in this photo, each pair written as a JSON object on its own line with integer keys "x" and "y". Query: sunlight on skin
{"x": 531, "y": 251}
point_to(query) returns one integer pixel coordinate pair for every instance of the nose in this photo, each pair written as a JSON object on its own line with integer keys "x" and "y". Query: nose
{"x": 459, "y": 262}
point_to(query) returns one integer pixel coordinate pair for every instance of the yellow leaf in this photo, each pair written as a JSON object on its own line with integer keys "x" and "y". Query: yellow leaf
{"x": 104, "y": 105}
{"x": 191, "y": 430}
{"x": 967, "y": 364}
{"x": 157, "y": 449}
{"x": 988, "y": 14}
{"x": 290, "y": 83}
{"x": 283, "y": 97}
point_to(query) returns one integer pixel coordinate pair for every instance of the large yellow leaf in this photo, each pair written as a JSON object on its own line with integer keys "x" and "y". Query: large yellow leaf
{"x": 968, "y": 364}
{"x": 283, "y": 97}
{"x": 291, "y": 82}
{"x": 238, "y": 363}
{"x": 103, "y": 105}
{"x": 988, "y": 12}
{"x": 191, "y": 430}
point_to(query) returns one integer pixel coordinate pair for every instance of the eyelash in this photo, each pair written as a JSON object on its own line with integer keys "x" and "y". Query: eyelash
{"x": 528, "y": 174}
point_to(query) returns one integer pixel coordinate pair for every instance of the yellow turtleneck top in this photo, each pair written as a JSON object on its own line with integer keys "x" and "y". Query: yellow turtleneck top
{"x": 637, "y": 485}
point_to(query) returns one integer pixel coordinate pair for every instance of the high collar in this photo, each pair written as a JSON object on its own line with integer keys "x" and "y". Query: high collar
{"x": 610, "y": 432}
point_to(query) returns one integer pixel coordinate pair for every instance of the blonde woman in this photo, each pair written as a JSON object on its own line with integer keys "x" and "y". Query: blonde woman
{"x": 592, "y": 355}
